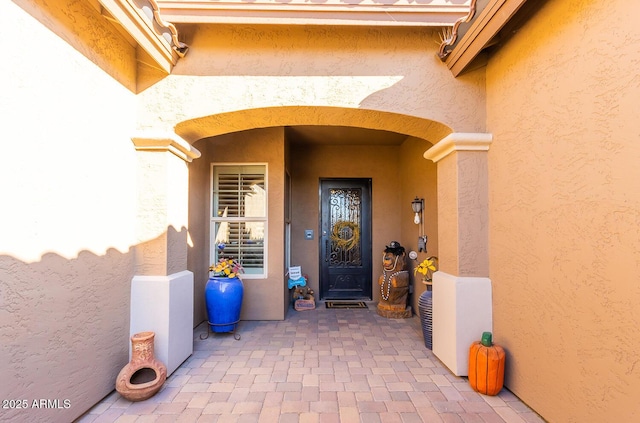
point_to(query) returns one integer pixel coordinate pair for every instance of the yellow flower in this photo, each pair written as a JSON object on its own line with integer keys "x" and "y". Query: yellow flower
{"x": 226, "y": 268}
{"x": 425, "y": 266}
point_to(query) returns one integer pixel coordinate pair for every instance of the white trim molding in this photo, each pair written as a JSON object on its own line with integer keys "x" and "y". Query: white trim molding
{"x": 165, "y": 142}
{"x": 458, "y": 141}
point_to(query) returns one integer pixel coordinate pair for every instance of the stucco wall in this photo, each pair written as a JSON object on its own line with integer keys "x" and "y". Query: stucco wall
{"x": 263, "y": 298}
{"x": 67, "y": 218}
{"x": 235, "y": 68}
{"x": 565, "y": 210}
{"x": 198, "y": 247}
{"x": 418, "y": 179}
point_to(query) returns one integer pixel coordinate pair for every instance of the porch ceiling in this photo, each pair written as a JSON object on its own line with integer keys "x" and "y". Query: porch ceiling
{"x": 343, "y": 135}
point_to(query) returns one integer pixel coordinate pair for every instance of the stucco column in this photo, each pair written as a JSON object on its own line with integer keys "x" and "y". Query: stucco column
{"x": 162, "y": 289}
{"x": 462, "y": 307}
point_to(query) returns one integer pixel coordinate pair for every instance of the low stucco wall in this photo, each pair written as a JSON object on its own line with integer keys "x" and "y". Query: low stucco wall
{"x": 564, "y": 210}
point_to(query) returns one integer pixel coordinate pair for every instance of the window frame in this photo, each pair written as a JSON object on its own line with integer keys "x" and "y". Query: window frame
{"x": 213, "y": 220}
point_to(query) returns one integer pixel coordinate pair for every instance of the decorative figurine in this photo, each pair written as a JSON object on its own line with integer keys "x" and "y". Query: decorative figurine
{"x": 394, "y": 284}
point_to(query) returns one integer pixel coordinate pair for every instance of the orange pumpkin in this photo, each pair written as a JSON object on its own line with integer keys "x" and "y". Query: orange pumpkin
{"x": 486, "y": 366}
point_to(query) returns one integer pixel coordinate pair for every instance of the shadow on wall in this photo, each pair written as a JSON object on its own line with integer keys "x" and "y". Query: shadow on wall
{"x": 64, "y": 325}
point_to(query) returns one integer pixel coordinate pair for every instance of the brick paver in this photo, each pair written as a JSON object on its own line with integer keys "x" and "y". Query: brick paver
{"x": 334, "y": 366}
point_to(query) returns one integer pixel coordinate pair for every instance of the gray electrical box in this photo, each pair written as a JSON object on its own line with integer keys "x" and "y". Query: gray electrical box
{"x": 308, "y": 234}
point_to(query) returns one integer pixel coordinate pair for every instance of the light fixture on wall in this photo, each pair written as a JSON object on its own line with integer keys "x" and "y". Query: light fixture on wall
{"x": 417, "y": 205}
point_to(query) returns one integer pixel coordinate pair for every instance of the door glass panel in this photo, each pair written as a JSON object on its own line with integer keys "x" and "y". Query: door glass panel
{"x": 345, "y": 221}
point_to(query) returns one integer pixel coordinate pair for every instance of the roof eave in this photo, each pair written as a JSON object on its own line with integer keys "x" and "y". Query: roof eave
{"x": 481, "y": 27}
{"x": 144, "y": 24}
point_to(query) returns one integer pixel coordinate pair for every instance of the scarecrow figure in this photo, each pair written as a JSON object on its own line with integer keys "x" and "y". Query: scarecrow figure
{"x": 394, "y": 284}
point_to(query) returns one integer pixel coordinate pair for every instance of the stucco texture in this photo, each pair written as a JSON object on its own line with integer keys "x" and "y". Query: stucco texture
{"x": 67, "y": 217}
{"x": 418, "y": 178}
{"x": 562, "y": 103}
{"x": 260, "y": 68}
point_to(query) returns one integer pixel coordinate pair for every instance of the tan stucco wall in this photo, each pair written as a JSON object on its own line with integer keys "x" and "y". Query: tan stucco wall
{"x": 462, "y": 213}
{"x": 418, "y": 179}
{"x": 81, "y": 26}
{"x": 67, "y": 215}
{"x": 267, "y": 69}
{"x": 162, "y": 213}
{"x": 263, "y": 298}
{"x": 198, "y": 246}
{"x": 564, "y": 210}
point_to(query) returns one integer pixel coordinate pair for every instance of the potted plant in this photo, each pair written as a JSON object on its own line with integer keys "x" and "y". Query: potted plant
{"x": 223, "y": 294}
{"x": 425, "y": 302}
{"x": 426, "y": 268}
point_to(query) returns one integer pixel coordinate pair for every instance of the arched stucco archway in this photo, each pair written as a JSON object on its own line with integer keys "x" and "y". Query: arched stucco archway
{"x": 195, "y": 129}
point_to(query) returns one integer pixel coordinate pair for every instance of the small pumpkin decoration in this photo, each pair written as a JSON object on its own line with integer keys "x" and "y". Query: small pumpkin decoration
{"x": 486, "y": 366}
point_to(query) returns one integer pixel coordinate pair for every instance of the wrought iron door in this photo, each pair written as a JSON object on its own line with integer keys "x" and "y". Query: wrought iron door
{"x": 345, "y": 224}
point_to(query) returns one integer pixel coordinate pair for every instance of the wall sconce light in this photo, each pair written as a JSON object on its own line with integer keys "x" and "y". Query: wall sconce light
{"x": 417, "y": 205}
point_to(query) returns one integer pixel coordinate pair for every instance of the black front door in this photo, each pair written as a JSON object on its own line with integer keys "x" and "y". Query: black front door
{"x": 345, "y": 225}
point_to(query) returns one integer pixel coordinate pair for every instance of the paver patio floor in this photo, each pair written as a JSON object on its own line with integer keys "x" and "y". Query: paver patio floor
{"x": 322, "y": 365}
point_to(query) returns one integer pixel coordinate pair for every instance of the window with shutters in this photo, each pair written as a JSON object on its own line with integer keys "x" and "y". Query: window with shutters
{"x": 239, "y": 216}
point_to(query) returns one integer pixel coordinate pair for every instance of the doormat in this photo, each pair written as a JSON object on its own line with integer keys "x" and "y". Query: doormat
{"x": 345, "y": 304}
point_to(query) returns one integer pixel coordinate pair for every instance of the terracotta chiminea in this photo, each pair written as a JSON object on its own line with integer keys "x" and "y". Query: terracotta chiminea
{"x": 143, "y": 377}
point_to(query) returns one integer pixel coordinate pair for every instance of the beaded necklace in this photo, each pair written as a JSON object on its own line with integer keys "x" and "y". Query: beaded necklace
{"x": 388, "y": 283}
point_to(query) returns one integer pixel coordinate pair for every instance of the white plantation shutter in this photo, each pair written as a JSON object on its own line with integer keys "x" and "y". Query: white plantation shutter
{"x": 239, "y": 205}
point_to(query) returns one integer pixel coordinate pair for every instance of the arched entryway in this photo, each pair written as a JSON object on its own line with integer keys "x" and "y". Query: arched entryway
{"x": 299, "y": 146}
{"x": 455, "y": 193}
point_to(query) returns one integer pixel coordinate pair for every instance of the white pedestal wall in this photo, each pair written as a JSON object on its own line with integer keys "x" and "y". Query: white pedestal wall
{"x": 164, "y": 305}
{"x": 462, "y": 310}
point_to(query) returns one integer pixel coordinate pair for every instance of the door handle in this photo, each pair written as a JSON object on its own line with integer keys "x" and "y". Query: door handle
{"x": 326, "y": 249}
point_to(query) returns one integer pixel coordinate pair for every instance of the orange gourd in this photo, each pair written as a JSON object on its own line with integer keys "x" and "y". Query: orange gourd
{"x": 486, "y": 366}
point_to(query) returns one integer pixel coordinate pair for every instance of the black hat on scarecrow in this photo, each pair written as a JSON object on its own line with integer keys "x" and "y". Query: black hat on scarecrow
{"x": 395, "y": 248}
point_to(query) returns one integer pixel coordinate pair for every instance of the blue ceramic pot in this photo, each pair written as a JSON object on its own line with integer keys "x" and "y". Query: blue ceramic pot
{"x": 223, "y": 297}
